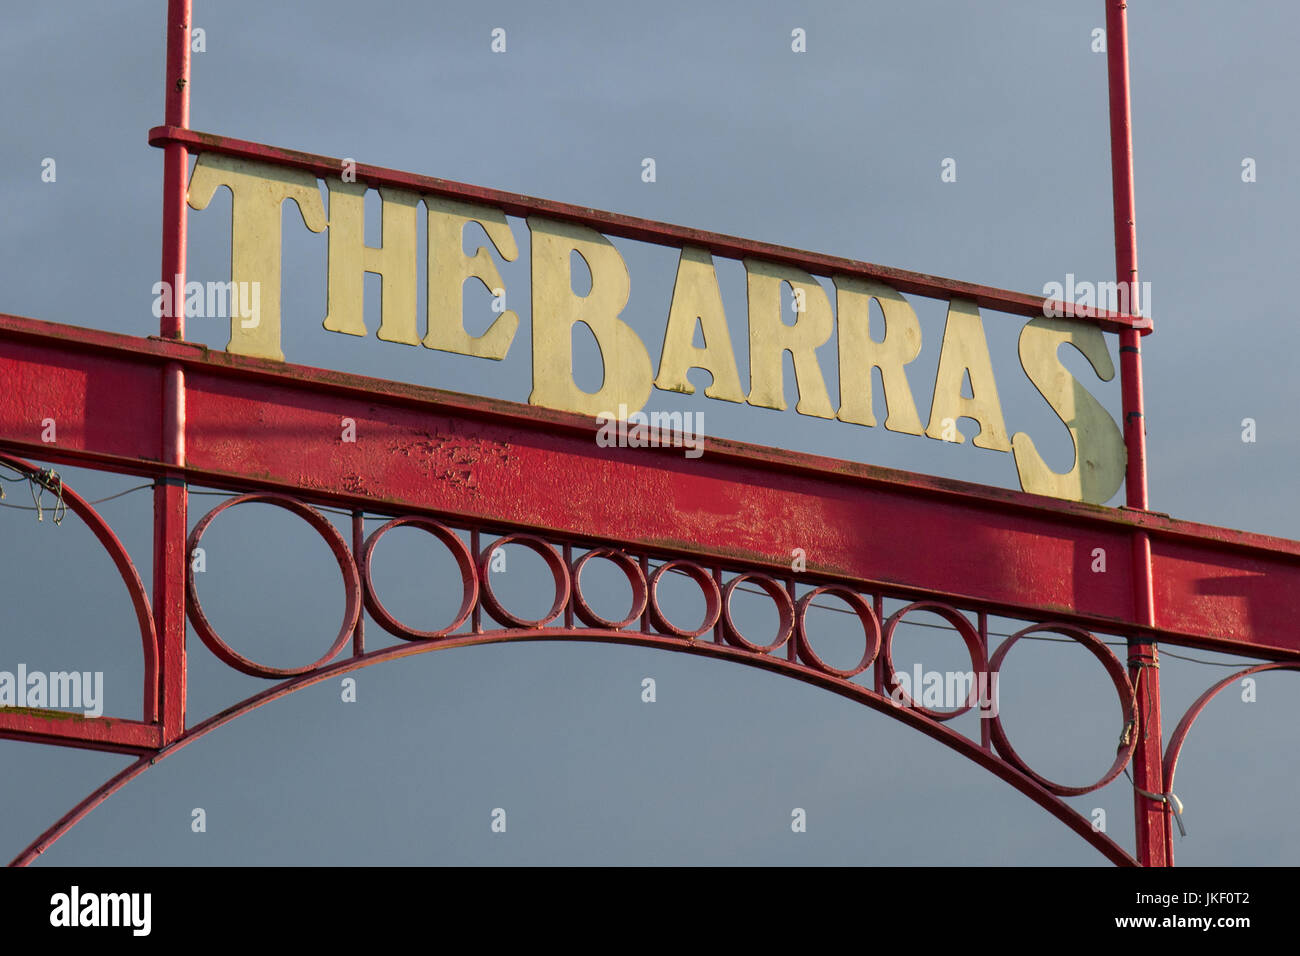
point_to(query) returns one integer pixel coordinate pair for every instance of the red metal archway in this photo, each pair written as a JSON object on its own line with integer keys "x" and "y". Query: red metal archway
{"x": 469, "y": 468}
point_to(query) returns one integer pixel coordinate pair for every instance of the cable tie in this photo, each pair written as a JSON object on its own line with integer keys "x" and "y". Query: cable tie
{"x": 1169, "y": 799}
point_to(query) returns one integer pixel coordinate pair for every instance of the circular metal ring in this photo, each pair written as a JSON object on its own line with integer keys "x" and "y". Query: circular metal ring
{"x": 1127, "y": 703}
{"x": 559, "y": 571}
{"x": 973, "y": 647}
{"x": 351, "y": 581}
{"x": 712, "y": 598}
{"x": 632, "y": 570}
{"x": 870, "y": 627}
{"x": 468, "y": 574}
{"x": 784, "y": 606}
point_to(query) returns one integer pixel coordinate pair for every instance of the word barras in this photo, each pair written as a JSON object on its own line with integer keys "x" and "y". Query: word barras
{"x": 258, "y": 189}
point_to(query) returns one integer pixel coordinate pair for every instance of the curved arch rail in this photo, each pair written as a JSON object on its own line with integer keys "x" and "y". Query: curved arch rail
{"x": 933, "y": 729}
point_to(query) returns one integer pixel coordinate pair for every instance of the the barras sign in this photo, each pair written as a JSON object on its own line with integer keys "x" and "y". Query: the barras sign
{"x": 259, "y": 189}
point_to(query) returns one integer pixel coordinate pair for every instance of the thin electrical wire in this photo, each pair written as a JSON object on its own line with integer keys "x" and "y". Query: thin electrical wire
{"x": 1197, "y": 660}
{"x": 97, "y": 501}
{"x": 333, "y": 511}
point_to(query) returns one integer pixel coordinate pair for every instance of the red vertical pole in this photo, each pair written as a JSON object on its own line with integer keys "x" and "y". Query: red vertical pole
{"x": 792, "y": 644}
{"x": 358, "y": 547}
{"x": 568, "y": 605}
{"x": 170, "y": 495}
{"x": 1154, "y": 843}
{"x": 986, "y": 724}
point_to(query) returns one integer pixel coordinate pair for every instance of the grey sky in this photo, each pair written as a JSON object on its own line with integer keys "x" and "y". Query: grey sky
{"x": 836, "y": 150}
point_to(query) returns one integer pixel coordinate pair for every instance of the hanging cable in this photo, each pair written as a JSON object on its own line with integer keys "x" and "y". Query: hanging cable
{"x": 38, "y": 483}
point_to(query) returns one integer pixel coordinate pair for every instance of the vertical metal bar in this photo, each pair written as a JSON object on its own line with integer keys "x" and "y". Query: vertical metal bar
{"x": 1154, "y": 844}
{"x": 170, "y": 494}
{"x": 986, "y": 728}
{"x": 573, "y": 589}
{"x": 170, "y": 555}
{"x": 791, "y": 648}
{"x": 1121, "y": 172}
{"x": 476, "y": 616}
{"x": 645, "y": 573}
{"x": 176, "y": 162}
{"x": 718, "y": 636}
{"x": 878, "y": 604}
{"x": 358, "y": 545}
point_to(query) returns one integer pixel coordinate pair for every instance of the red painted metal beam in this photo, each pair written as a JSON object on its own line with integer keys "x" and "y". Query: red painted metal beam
{"x": 112, "y": 734}
{"x": 647, "y": 230}
{"x": 421, "y": 450}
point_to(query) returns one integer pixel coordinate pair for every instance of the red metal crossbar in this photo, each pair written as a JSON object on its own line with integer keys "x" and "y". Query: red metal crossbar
{"x": 429, "y": 451}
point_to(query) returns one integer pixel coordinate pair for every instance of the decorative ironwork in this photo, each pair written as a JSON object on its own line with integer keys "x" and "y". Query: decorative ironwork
{"x": 351, "y": 584}
{"x": 789, "y": 650}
